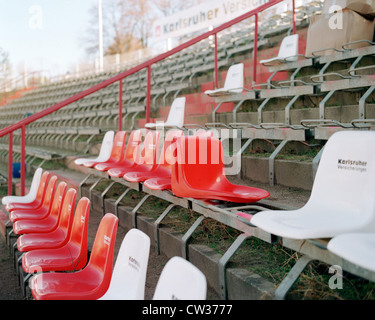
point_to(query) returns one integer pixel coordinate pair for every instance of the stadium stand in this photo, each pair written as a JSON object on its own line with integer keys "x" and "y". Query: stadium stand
{"x": 296, "y": 102}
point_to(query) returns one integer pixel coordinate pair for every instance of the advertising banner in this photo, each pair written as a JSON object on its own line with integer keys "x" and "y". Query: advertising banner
{"x": 211, "y": 13}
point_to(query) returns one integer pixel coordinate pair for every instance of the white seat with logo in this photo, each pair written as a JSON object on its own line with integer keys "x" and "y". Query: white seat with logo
{"x": 175, "y": 117}
{"x": 342, "y": 198}
{"x": 105, "y": 150}
{"x": 233, "y": 84}
{"x": 288, "y": 51}
{"x": 129, "y": 274}
{"x": 181, "y": 280}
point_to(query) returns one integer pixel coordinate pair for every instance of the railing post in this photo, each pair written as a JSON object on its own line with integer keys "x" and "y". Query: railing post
{"x": 216, "y": 65}
{"x": 120, "y": 107}
{"x": 148, "y": 101}
{"x": 10, "y": 164}
{"x": 255, "y": 51}
{"x": 23, "y": 156}
{"x": 294, "y": 17}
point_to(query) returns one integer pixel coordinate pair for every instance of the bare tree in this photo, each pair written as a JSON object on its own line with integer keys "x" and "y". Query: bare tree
{"x": 127, "y": 23}
{"x": 168, "y": 7}
{"x": 4, "y": 64}
{"x": 124, "y": 26}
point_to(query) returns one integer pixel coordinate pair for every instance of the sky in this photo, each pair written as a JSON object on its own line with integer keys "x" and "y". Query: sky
{"x": 44, "y": 34}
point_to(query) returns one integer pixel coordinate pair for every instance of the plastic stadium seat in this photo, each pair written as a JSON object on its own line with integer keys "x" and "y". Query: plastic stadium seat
{"x": 288, "y": 51}
{"x": 341, "y": 200}
{"x": 105, "y": 150}
{"x": 56, "y": 238}
{"x": 116, "y": 152}
{"x": 175, "y": 116}
{"x": 234, "y": 82}
{"x": 199, "y": 173}
{"x": 69, "y": 257}
{"x": 38, "y": 200}
{"x": 180, "y": 280}
{"x": 163, "y": 170}
{"x": 40, "y": 213}
{"x": 357, "y": 248}
{"x": 127, "y": 158}
{"x": 47, "y": 224}
{"x": 129, "y": 274}
{"x": 31, "y": 196}
{"x": 145, "y": 161}
{"x": 92, "y": 281}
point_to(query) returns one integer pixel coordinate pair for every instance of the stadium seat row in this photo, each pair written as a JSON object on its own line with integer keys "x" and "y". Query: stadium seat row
{"x": 53, "y": 240}
{"x": 341, "y": 206}
{"x": 190, "y": 166}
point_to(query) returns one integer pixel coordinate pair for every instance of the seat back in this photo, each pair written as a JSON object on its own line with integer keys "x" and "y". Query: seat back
{"x": 106, "y": 147}
{"x": 42, "y": 186}
{"x": 133, "y": 145}
{"x": 31, "y": 195}
{"x": 169, "y": 151}
{"x": 129, "y": 274}
{"x": 176, "y": 113}
{"x": 289, "y": 48}
{"x": 150, "y": 149}
{"x": 199, "y": 162}
{"x": 58, "y": 200}
{"x": 50, "y": 190}
{"x": 67, "y": 212}
{"x": 345, "y": 176}
{"x": 118, "y": 145}
{"x": 35, "y": 183}
{"x": 103, "y": 248}
{"x": 180, "y": 280}
{"x": 234, "y": 78}
{"x": 79, "y": 232}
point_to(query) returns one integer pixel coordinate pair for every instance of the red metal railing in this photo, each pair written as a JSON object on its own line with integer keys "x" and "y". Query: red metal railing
{"x": 118, "y": 78}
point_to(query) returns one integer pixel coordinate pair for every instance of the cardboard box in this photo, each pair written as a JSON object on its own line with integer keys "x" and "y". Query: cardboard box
{"x": 328, "y": 31}
{"x": 363, "y": 7}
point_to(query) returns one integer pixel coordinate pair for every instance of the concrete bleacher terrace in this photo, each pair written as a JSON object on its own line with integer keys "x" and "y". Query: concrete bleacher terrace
{"x": 283, "y": 123}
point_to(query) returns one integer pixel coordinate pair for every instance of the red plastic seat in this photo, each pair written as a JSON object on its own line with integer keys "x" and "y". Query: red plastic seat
{"x": 163, "y": 169}
{"x": 50, "y": 222}
{"x": 56, "y": 238}
{"x": 199, "y": 173}
{"x": 145, "y": 161}
{"x": 39, "y": 213}
{"x": 117, "y": 151}
{"x": 92, "y": 281}
{"x": 158, "y": 183}
{"x": 164, "y": 182}
{"x": 39, "y": 197}
{"x": 71, "y": 256}
{"x": 128, "y": 157}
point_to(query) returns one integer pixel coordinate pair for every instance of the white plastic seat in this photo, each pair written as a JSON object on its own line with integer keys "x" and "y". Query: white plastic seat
{"x": 358, "y": 248}
{"x": 342, "y": 198}
{"x": 175, "y": 116}
{"x": 180, "y": 280}
{"x": 30, "y": 197}
{"x": 105, "y": 150}
{"x": 288, "y": 51}
{"x": 129, "y": 274}
{"x": 234, "y": 82}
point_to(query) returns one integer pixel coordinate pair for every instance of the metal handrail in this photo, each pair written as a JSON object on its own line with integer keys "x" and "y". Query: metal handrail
{"x": 118, "y": 78}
